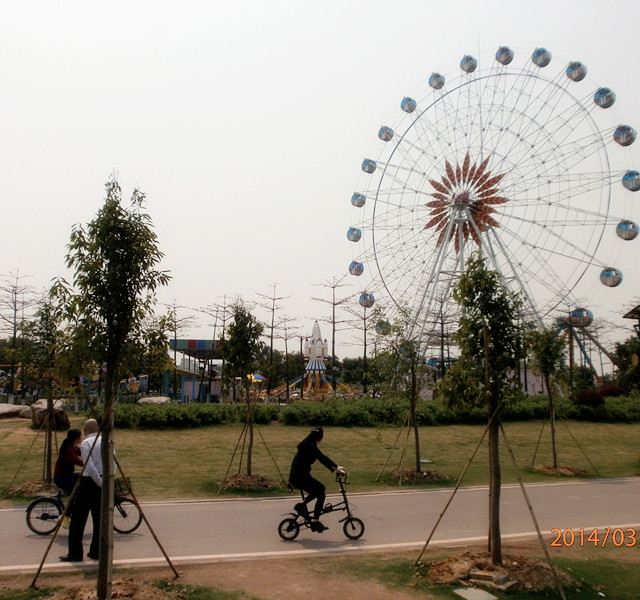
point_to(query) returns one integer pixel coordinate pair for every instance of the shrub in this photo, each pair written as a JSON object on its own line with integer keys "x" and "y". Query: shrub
{"x": 610, "y": 390}
{"x": 370, "y": 412}
{"x": 589, "y": 397}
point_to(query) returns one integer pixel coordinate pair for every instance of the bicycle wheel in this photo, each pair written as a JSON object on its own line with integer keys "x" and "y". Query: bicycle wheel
{"x": 126, "y": 516}
{"x": 43, "y": 515}
{"x": 353, "y": 528}
{"x": 288, "y": 529}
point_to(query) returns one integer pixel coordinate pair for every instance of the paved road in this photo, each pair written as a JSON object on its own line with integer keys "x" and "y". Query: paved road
{"x": 233, "y": 529}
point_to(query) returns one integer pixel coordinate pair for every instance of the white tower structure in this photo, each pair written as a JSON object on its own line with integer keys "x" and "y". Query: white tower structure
{"x": 315, "y": 351}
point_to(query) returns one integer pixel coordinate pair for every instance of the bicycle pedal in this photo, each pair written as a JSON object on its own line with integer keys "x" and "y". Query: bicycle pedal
{"x": 66, "y": 521}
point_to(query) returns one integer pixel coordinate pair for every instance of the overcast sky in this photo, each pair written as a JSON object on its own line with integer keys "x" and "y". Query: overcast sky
{"x": 245, "y": 123}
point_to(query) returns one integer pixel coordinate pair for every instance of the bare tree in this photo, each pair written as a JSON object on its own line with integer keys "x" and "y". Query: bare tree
{"x": 288, "y": 332}
{"x": 221, "y": 314}
{"x": 361, "y": 321}
{"x": 334, "y": 284}
{"x": 177, "y": 324}
{"x": 16, "y": 297}
{"x": 272, "y": 306}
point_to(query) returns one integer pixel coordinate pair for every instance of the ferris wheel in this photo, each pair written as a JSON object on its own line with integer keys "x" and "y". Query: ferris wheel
{"x": 523, "y": 161}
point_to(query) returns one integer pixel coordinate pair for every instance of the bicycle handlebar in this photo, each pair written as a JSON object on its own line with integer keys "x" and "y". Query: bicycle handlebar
{"x": 341, "y": 476}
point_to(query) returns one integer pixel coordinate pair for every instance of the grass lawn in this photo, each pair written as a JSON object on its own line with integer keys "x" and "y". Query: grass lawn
{"x": 190, "y": 463}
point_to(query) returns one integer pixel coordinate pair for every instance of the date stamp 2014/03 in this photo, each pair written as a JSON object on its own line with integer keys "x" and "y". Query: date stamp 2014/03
{"x": 616, "y": 537}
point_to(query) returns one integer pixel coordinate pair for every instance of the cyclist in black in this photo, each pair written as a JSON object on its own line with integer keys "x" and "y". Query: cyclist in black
{"x": 300, "y": 476}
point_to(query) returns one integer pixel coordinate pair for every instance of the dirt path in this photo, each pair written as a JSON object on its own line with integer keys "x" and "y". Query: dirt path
{"x": 299, "y": 578}
{"x": 310, "y": 578}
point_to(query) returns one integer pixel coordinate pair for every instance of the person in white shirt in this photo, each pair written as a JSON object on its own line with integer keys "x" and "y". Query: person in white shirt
{"x": 88, "y": 496}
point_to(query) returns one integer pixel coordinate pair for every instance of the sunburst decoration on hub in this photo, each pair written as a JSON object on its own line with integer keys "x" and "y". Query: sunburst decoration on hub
{"x": 466, "y": 194}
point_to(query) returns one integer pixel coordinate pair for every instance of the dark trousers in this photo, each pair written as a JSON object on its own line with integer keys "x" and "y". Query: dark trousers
{"x": 87, "y": 501}
{"x": 315, "y": 490}
{"x": 66, "y": 482}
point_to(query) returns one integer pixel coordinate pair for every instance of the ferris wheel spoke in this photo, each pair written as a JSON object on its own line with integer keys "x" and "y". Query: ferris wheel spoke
{"x": 546, "y": 277}
{"x": 561, "y": 174}
{"x": 579, "y": 150}
{"x": 545, "y": 231}
{"x": 542, "y": 277}
{"x": 425, "y": 291}
{"x": 406, "y": 145}
{"x": 526, "y": 127}
{"x": 421, "y": 129}
{"x": 515, "y": 273}
{"x": 537, "y": 132}
{"x": 395, "y": 202}
{"x": 562, "y": 250}
{"x": 530, "y": 99}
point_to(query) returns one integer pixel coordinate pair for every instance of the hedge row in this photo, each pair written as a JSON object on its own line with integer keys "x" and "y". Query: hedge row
{"x": 363, "y": 412}
{"x": 181, "y": 416}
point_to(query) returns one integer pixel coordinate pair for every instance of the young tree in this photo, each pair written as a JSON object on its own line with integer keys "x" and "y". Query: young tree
{"x": 487, "y": 337}
{"x": 240, "y": 349}
{"x": 44, "y": 333}
{"x": 548, "y": 350}
{"x": 115, "y": 261}
{"x": 402, "y": 360}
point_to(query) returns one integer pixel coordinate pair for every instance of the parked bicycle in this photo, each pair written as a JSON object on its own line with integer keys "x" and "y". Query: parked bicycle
{"x": 44, "y": 512}
{"x": 353, "y": 528}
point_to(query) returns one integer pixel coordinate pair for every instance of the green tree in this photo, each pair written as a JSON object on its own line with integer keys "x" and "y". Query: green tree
{"x": 627, "y": 355}
{"x": 462, "y": 387}
{"x": 240, "y": 349}
{"x": 351, "y": 370}
{"x": 271, "y": 364}
{"x": 44, "y": 334}
{"x": 115, "y": 262}
{"x": 488, "y": 339}
{"x": 548, "y": 350}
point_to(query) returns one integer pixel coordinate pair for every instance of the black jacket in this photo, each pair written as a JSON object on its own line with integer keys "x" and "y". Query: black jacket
{"x": 308, "y": 452}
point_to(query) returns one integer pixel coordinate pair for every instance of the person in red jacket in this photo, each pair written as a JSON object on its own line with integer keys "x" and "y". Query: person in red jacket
{"x": 68, "y": 457}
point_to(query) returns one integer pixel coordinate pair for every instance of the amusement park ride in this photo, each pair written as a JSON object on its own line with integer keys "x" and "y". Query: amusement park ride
{"x": 313, "y": 385}
{"x": 527, "y": 164}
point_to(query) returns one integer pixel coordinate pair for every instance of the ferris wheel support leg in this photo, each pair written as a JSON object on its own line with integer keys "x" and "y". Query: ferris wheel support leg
{"x": 516, "y": 274}
{"x": 430, "y": 287}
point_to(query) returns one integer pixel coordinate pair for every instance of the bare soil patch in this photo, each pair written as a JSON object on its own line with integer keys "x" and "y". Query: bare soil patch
{"x": 249, "y": 483}
{"x": 122, "y": 588}
{"x": 31, "y": 489}
{"x": 413, "y": 476}
{"x": 563, "y": 470}
{"x": 529, "y": 574}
